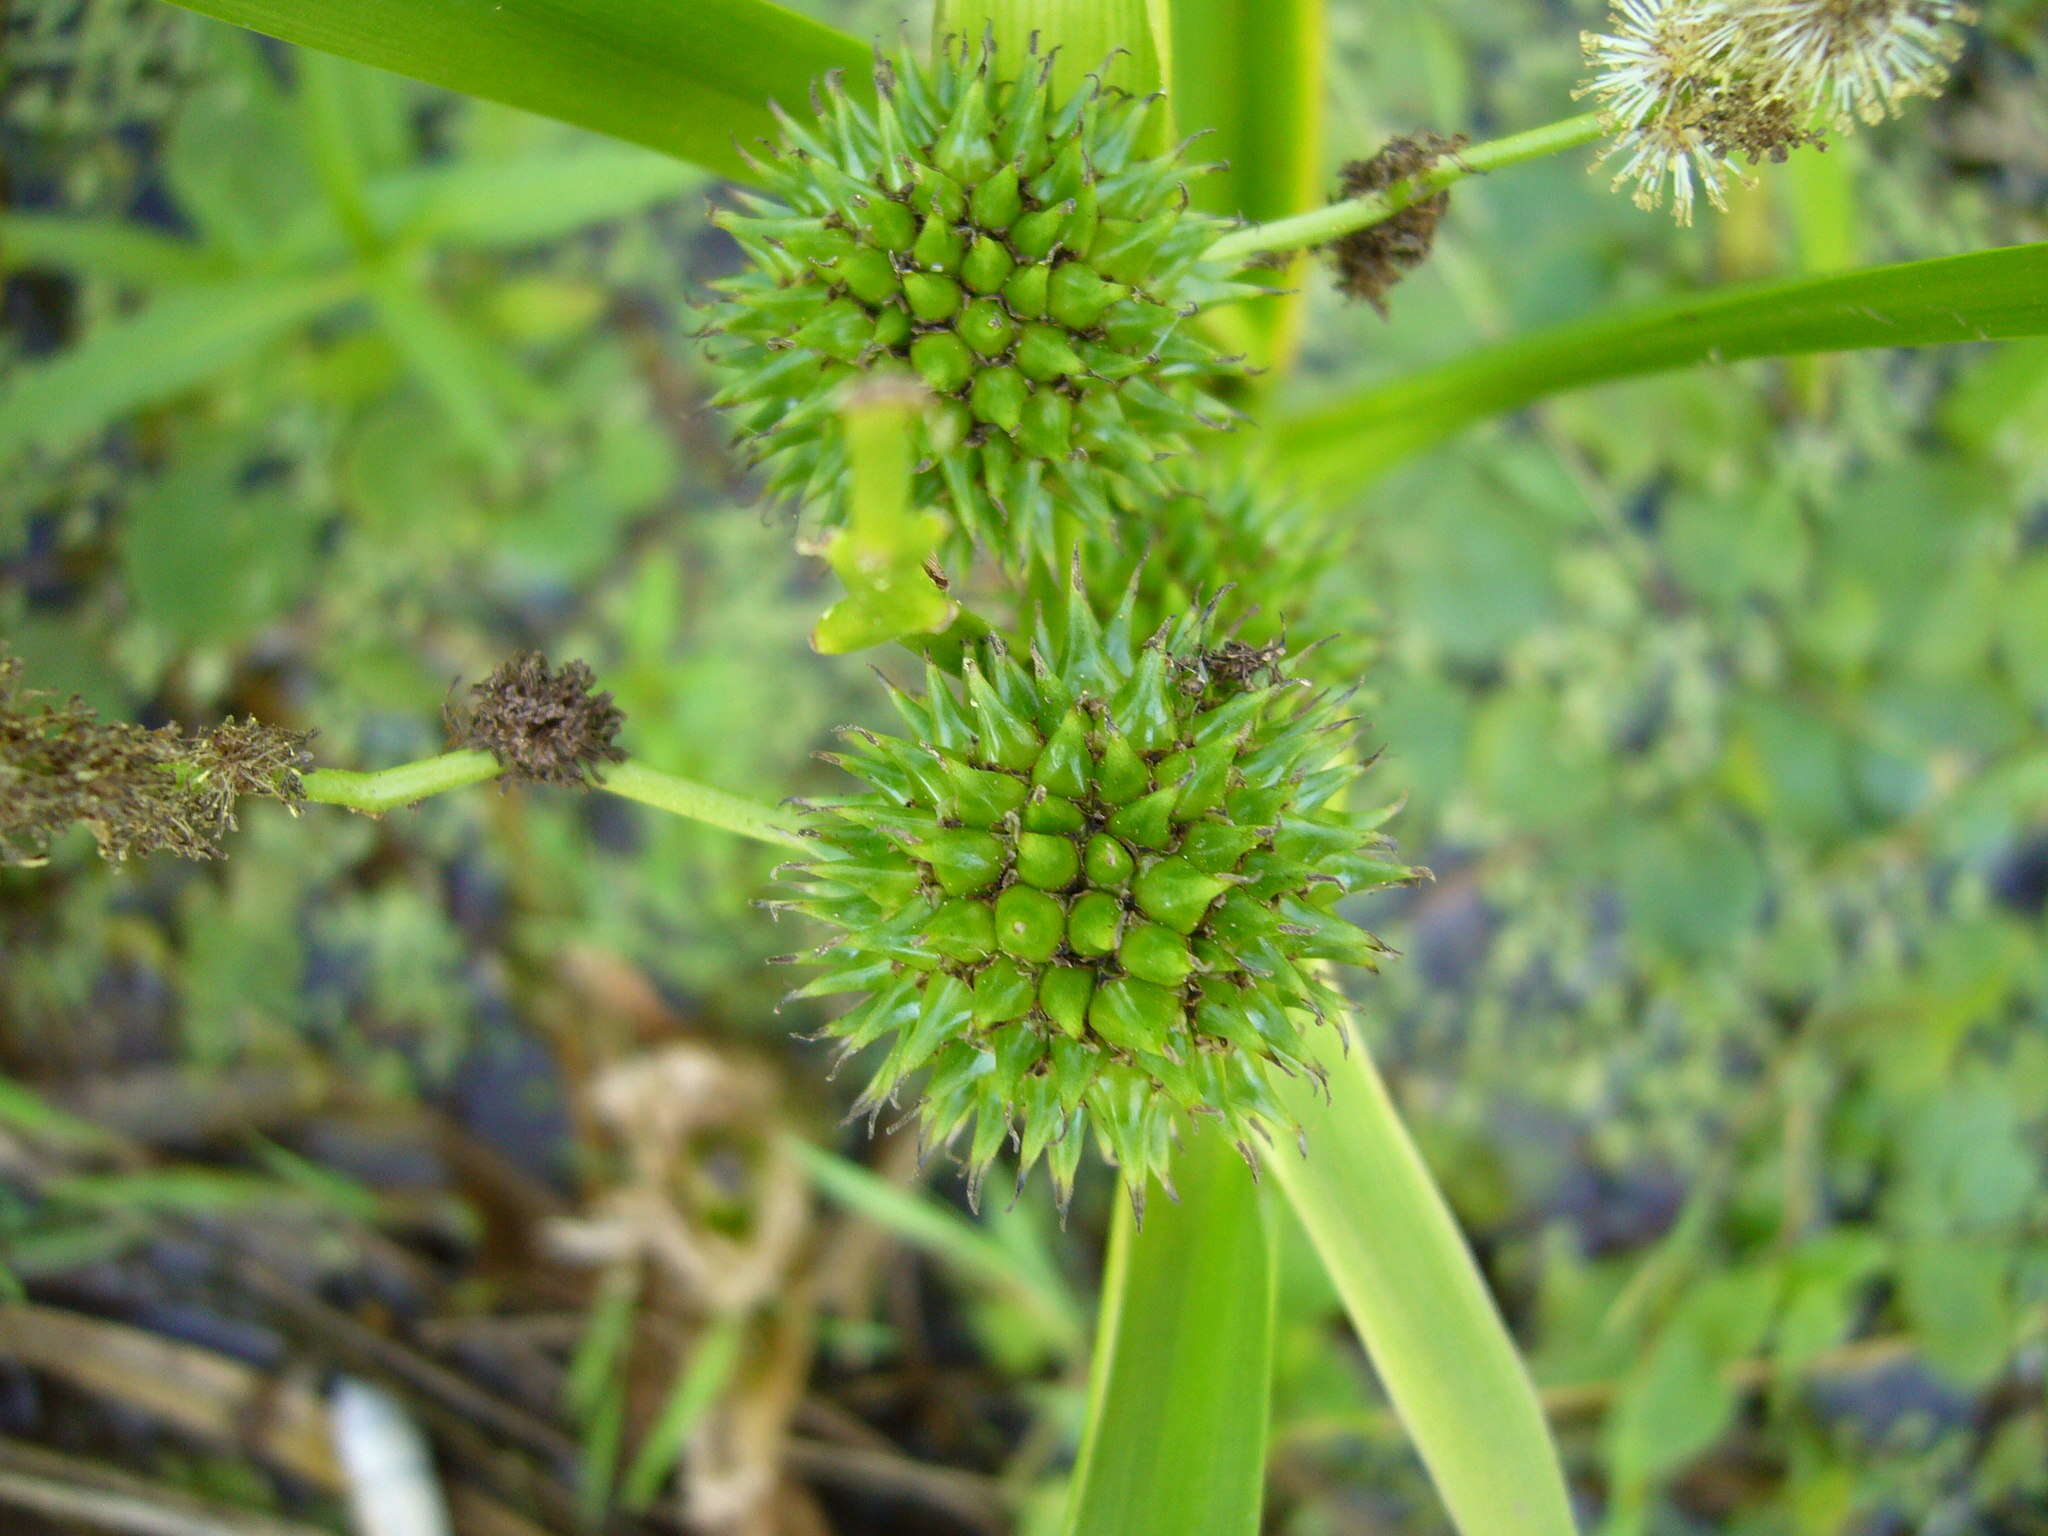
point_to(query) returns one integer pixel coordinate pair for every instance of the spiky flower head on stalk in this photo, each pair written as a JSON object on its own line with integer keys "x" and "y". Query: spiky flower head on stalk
{"x": 1017, "y": 248}
{"x": 1092, "y": 890}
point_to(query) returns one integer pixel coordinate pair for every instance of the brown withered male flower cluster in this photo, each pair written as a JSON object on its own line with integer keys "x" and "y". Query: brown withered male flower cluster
{"x": 542, "y": 725}
{"x": 138, "y": 791}
{"x": 1368, "y": 262}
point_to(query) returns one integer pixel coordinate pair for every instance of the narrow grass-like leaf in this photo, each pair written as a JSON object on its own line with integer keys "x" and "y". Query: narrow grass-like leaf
{"x": 1416, "y": 1298}
{"x": 692, "y": 78}
{"x": 453, "y": 367}
{"x": 109, "y": 248}
{"x": 152, "y": 355}
{"x": 532, "y": 198}
{"x": 1978, "y": 297}
{"x": 941, "y": 1232}
{"x": 1177, "y": 1399}
{"x": 703, "y": 1376}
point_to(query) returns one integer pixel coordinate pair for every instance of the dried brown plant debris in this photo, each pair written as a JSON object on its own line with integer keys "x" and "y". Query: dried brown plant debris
{"x": 1369, "y": 262}
{"x": 138, "y": 791}
{"x": 542, "y": 725}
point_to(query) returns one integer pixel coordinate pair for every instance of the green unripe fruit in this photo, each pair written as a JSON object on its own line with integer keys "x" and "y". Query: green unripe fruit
{"x": 987, "y": 267}
{"x": 1047, "y": 861}
{"x": 932, "y": 299}
{"x": 933, "y": 192}
{"x": 1052, "y": 814}
{"x": 1003, "y": 989}
{"x": 940, "y": 248}
{"x": 1029, "y": 923}
{"x": 1025, "y": 291}
{"x": 885, "y": 222}
{"x": 987, "y": 328}
{"x": 1034, "y": 236}
{"x": 1177, "y": 894}
{"x": 1043, "y": 355}
{"x": 963, "y": 862}
{"x": 1134, "y": 1015}
{"x": 1147, "y": 822}
{"x": 997, "y": 397}
{"x": 958, "y": 212}
{"x": 961, "y": 930}
{"x": 1121, "y": 775}
{"x": 1064, "y": 993}
{"x": 1047, "y": 427}
{"x": 869, "y": 274}
{"x": 841, "y": 330}
{"x": 892, "y": 328}
{"x": 1108, "y": 863}
{"x": 1077, "y": 297}
{"x": 1094, "y": 923}
{"x": 1155, "y": 954}
{"x": 942, "y": 361}
{"x": 1039, "y": 927}
{"x": 996, "y": 203}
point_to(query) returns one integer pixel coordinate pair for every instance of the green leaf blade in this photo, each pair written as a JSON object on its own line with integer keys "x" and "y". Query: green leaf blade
{"x": 1176, "y": 1439}
{"x": 692, "y": 78}
{"x": 1416, "y": 1298}
{"x": 1981, "y": 296}
{"x": 154, "y": 354}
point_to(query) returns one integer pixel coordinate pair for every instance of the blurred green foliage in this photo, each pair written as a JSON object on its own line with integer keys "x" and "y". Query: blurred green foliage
{"x": 1721, "y": 701}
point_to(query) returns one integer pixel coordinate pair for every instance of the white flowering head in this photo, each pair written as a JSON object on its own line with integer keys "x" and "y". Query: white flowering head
{"x": 1850, "y": 59}
{"x": 1690, "y": 85}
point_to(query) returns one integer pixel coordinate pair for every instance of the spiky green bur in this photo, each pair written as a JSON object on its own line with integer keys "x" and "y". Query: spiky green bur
{"x": 1091, "y": 891}
{"x": 1014, "y": 249}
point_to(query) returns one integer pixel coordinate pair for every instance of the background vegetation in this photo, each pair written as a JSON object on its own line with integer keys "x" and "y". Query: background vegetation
{"x": 1721, "y": 702}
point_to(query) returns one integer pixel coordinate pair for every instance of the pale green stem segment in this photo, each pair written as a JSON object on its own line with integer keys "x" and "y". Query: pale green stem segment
{"x": 1416, "y": 1298}
{"x": 632, "y": 780}
{"x": 390, "y": 788}
{"x": 1175, "y": 1443}
{"x": 1325, "y": 224}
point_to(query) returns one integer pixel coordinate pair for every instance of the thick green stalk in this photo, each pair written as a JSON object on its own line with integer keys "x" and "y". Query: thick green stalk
{"x": 1415, "y": 1296}
{"x": 389, "y": 788}
{"x": 408, "y": 783}
{"x": 1325, "y": 224}
{"x": 631, "y": 780}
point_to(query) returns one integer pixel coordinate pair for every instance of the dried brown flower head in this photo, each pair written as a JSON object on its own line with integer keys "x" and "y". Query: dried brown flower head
{"x": 544, "y": 726}
{"x": 139, "y": 791}
{"x": 1370, "y": 261}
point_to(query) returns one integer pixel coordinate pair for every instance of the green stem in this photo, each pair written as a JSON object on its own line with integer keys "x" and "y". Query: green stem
{"x": 1325, "y": 224}
{"x": 409, "y": 783}
{"x": 389, "y": 788}
{"x": 632, "y": 780}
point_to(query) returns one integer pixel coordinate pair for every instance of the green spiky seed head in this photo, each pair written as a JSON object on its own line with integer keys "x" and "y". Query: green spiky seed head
{"x": 1016, "y": 248}
{"x": 1092, "y": 890}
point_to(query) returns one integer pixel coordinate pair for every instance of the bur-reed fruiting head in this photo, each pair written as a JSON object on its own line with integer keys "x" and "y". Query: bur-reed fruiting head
{"x": 1023, "y": 250}
{"x": 1093, "y": 890}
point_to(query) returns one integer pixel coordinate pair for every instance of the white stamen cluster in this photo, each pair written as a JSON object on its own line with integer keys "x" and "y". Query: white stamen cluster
{"x": 1688, "y": 85}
